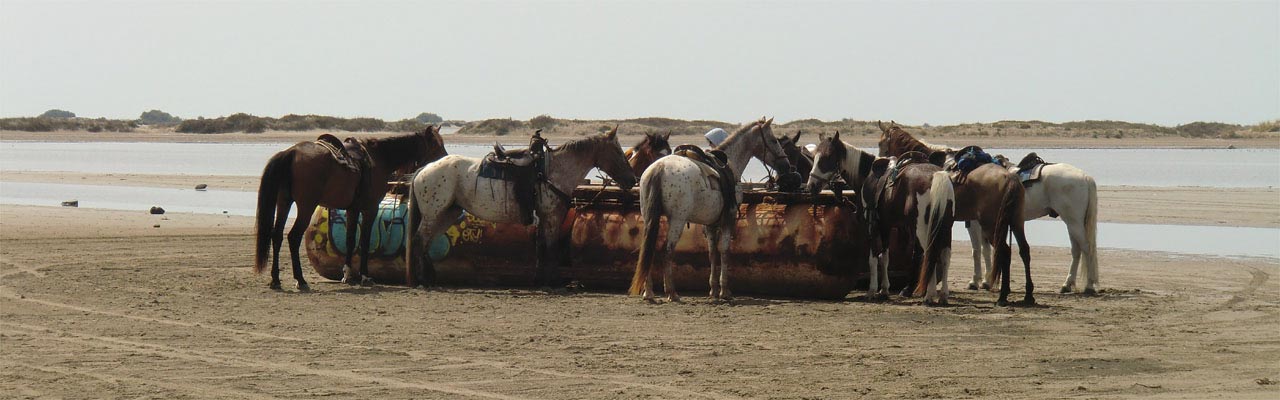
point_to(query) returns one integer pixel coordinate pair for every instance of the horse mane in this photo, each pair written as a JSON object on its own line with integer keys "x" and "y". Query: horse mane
{"x": 586, "y": 143}
{"x": 915, "y": 143}
{"x": 399, "y": 148}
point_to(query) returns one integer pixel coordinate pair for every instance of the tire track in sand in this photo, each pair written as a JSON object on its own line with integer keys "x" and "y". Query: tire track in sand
{"x": 116, "y": 379}
{"x": 208, "y": 357}
{"x": 8, "y": 293}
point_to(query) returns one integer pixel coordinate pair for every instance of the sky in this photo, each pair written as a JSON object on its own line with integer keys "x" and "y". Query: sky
{"x": 916, "y": 62}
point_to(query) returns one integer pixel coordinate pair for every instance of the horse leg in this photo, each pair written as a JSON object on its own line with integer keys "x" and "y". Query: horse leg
{"x": 883, "y": 265}
{"x": 1075, "y": 230}
{"x": 283, "y": 204}
{"x": 352, "y": 223}
{"x": 424, "y": 269}
{"x": 674, "y": 230}
{"x": 1024, "y": 252}
{"x": 367, "y": 218}
{"x": 722, "y": 252}
{"x": 713, "y": 236}
{"x": 944, "y": 264}
{"x": 873, "y": 282}
{"x": 975, "y": 239}
{"x": 295, "y": 241}
{"x": 986, "y": 259}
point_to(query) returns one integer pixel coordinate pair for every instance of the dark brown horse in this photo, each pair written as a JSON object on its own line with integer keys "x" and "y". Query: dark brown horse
{"x": 989, "y": 194}
{"x": 309, "y": 175}
{"x": 909, "y": 211}
{"x": 799, "y": 156}
{"x": 650, "y": 149}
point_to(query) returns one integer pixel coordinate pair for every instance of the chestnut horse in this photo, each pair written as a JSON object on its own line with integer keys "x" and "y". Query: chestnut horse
{"x": 308, "y": 174}
{"x": 650, "y": 149}
{"x": 989, "y": 195}
{"x": 915, "y": 206}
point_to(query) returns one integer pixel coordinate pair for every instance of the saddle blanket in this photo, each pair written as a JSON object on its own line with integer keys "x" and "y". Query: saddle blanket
{"x": 387, "y": 238}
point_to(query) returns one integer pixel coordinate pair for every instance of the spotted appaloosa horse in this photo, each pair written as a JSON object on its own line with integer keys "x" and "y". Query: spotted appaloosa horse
{"x": 307, "y": 174}
{"x": 989, "y": 195}
{"x": 680, "y": 189}
{"x": 441, "y": 191}
{"x": 915, "y": 206}
{"x": 650, "y": 149}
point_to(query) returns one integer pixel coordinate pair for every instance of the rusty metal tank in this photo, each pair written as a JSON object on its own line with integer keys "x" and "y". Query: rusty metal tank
{"x": 784, "y": 244}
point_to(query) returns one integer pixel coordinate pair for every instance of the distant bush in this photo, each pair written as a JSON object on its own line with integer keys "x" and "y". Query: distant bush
{"x": 56, "y": 113}
{"x": 542, "y": 122}
{"x": 429, "y": 118}
{"x": 1206, "y": 129}
{"x": 157, "y": 117}
{"x": 66, "y": 124}
{"x": 496, "y": 126}
{"x": 242, "y": 122}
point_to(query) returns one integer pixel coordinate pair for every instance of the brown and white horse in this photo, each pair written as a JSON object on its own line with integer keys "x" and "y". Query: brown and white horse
{"x": 989, "y": 195}
{"x": 650, "y": 149}
{"x": 679, "y": 188}
{"x": 916, "y": 206}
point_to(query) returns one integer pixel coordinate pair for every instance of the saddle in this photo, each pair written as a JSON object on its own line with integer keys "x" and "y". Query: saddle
{"x": 715, "y": 164}
{"x": 896, "y": 164}
{"x": 967, "y": 160}
{"x": 524, "y": 167}
{"x": 350, "y": 155}
{"x": 1029, "y": 169}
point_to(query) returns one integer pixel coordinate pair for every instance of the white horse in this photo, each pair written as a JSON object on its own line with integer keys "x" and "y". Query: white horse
{"x": 441, "y": 191}
{"x": 1069, "y": 193}
{"x": 678, "y": 187}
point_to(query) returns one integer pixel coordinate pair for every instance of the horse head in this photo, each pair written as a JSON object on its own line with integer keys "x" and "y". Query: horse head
{"x": 430, "y": 147}
{"x": 828, "y": 161}
{"x": 608, "y": 157}
{"x": 769, "y": 150}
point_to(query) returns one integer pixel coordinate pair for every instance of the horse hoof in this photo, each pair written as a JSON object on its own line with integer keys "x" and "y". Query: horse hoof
{"x": 650, "y": 300}
{"x": 1090, "y": 291}
{"x": 973, "y": 286}
{"x": 303, "y": 287}
{"x": 986, "y": 286}
{"x": 1065, "y": 289}
{"x": 1002, "y": 303}
{"x": 274, "y": 285}
{"x": 1029, "y": 301}
{"x": 367, "y": 281}
{"x": 673, "y": 299}
{"x": 943, "y": 303}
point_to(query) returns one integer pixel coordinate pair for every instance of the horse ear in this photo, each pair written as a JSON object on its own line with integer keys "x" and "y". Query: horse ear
{"x": 666, "y": 136}
{"x": 613, "y": 132}
{"x": 769, "y": 122}
{"x": 882, "y": 128}
{"x": 796, "y": 139}
{"x": 837, "y": 136}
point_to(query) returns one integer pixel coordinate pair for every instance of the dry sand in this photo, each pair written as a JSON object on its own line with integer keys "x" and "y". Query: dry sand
{"x": 99, "y": 304}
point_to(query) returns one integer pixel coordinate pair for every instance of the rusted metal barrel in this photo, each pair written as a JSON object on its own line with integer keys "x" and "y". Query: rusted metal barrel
{"x": 784, "y": 244}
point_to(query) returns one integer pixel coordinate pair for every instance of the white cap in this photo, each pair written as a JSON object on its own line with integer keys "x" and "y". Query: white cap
{"x": 716, "y": 136}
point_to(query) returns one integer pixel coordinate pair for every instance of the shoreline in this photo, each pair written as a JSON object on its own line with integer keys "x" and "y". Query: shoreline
{"x": 628, "y": 138}
{"x": 1207, "y": 206}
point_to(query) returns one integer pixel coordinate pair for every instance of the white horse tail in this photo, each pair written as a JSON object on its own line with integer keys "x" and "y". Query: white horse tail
{"x": 651, "y": 203}
{"x": 1091, "y": 235}
{"x": 412, "y": 220}
{"x": 933, "y": 226}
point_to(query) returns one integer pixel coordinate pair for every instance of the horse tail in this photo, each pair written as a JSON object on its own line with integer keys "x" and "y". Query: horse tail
{"x": 277, "y": 175}
{"x": 1091, "y": 233}
{"x": 933, "y": 227}
{"x": 651, "y": 212}
{"x": 413, "y": 218}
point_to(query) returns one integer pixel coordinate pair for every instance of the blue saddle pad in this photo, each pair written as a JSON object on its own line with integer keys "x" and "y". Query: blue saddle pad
{"x": 387, "y": 238}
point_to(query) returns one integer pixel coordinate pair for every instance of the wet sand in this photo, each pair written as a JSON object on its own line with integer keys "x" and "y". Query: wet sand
{"x": 102, "y": 304}
{"x": 1252, "y": 207}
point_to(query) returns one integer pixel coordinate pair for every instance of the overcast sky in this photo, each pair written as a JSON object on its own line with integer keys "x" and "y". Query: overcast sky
{"x": 1158, "y": 62}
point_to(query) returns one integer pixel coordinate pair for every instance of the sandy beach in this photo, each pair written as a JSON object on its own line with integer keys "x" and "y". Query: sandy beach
{"x": 101, "y": 303}
{"x": 98, "y": 303}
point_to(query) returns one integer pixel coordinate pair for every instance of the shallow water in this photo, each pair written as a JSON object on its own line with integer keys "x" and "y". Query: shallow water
{"x": 1206, "y": 240}
{"x": 1139, "y": 167}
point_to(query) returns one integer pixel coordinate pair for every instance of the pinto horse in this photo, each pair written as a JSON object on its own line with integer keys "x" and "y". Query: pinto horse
{"x": 989, "y": 195}
{"x": 650, "y": 149}
{"x": 915, "y": 206}
{"x": 308, "y": 174}
{"x": 682, "y": 190}
{"x": 441, "y": 191}
{"x": 1063, "y": 191}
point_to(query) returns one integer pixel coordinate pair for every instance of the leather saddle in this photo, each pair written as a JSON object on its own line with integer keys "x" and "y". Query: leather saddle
{"x": 349, "y": 154}
{"x": 715, "y": 164}
{"x": 896, "y": 164}
{"x": 967, "y": 160}
{"x": 523, "y": 167}
{"x": 1029, "y": 169}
